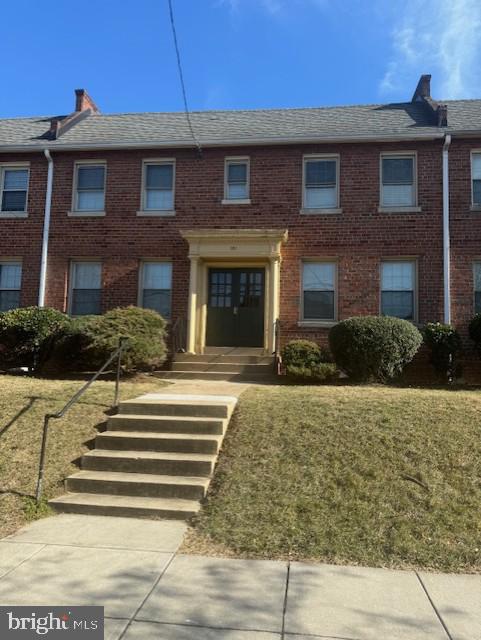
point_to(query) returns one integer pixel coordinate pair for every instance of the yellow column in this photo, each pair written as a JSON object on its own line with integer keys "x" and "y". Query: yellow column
{"x": 192, "y": 309}
{"x": 274, "y": 282}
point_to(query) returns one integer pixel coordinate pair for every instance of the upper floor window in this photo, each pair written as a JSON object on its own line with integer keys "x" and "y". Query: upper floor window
{"x": 319, "y": 291}
{"x": 398, "y": 289}
{"x": 156, "y": 287}
{"x": 158, "y": 186}
{"x": 13, "y": 189}
{"x": 398, "y": 180}
{"x": 476, "y": 178}
{"x": 236, "y": 184}
{"x": 10, "y": 284}
{"x": 85, "y": 288}
{"x": 89, "y": 191}
{"x": 321, "y": 182}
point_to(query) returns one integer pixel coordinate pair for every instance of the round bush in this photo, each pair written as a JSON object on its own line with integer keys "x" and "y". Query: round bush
{"x": 91, "y": 340}
{"x": 375, "y": 348}
{"x": 27, "y": 336}
{"x": 320, "y": 372}
{"x": 445, "y": 345}
{"x": 304, "y": 353}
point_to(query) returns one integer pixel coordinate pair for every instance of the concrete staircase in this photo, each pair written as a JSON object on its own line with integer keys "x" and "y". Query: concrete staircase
{"x": 222, "y": 363}
{"x": 155, "y": 459}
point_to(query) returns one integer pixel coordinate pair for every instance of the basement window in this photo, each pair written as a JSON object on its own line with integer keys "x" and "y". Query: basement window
{"x": 156, "y": 287}
{"x": 13, "y": 189}
{"x": 85, "y": 288}
{"x": 398, "y": 181}
{"x": 319, "y": 291}
{"x": 398, "y": 289}
{"x": 10, "y": 285}
{"x": 89, "y": 190}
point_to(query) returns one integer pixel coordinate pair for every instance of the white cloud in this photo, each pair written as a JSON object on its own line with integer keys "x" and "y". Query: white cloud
{"x": 439, "y": 37}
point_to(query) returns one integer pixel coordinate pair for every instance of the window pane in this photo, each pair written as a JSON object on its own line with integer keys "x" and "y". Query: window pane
{"x": 87, "y": 275}
{"x": 9, "y": 300}
{"x": 15, "y": 179}
{"x": 10, "y": 276}
{"x": 318, "y": 276}
{"x": 85, "y": 302}
{"x": 158, "y": 300}
{"x": 159, "y": 200}
{"x": 322, "y": 198}
{"x": 237, "y": 172}
{"x": 320, "y": 172}
{"x": 398, "y": 304}
{"x": 318, "y": 305}
{"x": 477, "y": 166}
{"x": 14, "y": 200}
{"x": 402, "y": 195}
{"x": 397, "y": 170}
{"x": 398, "y": 276}
{"x": 477, "y": 191}
{"x": 159, "y": 176}
{"x": 90, "y": 177}
{"x": 90, "y": 200}
{"x": 477, "y": 302}
{"x": 157, "y": 275}
{"x": 477, "y": 276}
{"x": 237, "y": 191}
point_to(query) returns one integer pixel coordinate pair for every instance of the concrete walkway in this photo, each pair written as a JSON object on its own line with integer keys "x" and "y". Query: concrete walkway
{"x": 132, "y": 568}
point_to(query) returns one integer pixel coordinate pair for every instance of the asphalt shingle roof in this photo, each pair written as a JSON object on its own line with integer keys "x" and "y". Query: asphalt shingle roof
{"x": 404, "y": 120}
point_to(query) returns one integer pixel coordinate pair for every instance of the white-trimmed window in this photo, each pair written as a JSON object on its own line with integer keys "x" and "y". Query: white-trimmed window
{"x": 13, "y": 189}
{"x": 89, "y": 187}
{"x": 319, "y": 291}
{"x": 398, "y": 289}
{"x": 156, "y": 287}
{"x": 236, "y": 181}
{"x": 85, "y": 288}
{"x": 10, "y": 285}
{"x": 398, "y": 180}
{"x": 158, "y": 186}
{"x": 477, "y": 286}
{"x": 321, "y": 182}
{"x": 476, "y": 179}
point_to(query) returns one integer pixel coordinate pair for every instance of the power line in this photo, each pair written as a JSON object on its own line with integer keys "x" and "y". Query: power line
{"x": 181, "y": 76}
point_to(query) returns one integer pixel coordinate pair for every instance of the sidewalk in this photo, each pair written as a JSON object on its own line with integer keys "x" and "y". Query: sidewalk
{"x": 150, "y": 592}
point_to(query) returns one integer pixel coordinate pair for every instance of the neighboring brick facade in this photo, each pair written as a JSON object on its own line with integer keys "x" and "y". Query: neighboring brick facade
{"x": 358, "y": 238}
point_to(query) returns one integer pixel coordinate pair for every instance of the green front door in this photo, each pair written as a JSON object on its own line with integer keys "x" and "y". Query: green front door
{"x": 235, "y": 308}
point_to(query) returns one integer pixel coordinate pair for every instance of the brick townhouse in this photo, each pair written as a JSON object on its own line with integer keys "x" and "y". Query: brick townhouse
{"x": 305, "y": 216}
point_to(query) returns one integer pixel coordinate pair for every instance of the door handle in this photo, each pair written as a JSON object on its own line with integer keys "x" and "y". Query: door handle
{"x": 234, "y": 310}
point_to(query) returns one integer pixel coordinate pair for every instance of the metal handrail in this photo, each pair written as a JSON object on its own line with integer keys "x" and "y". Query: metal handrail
{"x": 277, "y": 346}
{"x": 179, "y": 335}
{"x": 59, "y": 414}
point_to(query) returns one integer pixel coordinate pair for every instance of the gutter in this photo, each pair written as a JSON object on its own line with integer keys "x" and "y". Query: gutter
{"x": 46, "y": 231}
{"x": 446, "y": 238}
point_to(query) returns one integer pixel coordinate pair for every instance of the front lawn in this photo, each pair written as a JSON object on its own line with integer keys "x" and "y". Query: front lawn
{"x": 374, "y": 475}
{"x": 23, "y": 404}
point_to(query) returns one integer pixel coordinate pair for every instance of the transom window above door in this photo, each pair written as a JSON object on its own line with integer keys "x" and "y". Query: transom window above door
{"x": 236, "y": 181}
{"x": 321, "y": 183}
{"x": 158, "y": 186}
{"x": 89, "y": 188}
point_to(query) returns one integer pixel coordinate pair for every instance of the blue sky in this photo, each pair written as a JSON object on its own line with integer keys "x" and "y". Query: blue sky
{"x": 236, "y": 53}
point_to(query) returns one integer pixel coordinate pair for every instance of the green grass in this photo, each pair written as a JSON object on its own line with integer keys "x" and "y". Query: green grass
{"x": 29, "y": 399}
{"x": 369, "y": 475}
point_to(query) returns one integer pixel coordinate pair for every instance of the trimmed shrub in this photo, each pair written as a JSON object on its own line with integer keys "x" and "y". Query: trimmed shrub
{"x": 320, "y": 372}
{"x": 90, "y": 341}
{"x": 27, "y": 336}
{"x": 445, "y": 345}
{"x": 374, "y": 348}
{"x": 475, "y": 332}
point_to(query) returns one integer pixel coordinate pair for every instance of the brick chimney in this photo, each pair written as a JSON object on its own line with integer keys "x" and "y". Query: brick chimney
{"x": 423, "y": 90}
{"x": 83, "y": 101}
{"x": 422, "y": 93}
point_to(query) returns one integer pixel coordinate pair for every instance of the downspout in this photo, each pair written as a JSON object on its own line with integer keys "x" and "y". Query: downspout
{"x": 46, "y": 231}
{"x": 446, "y": 238}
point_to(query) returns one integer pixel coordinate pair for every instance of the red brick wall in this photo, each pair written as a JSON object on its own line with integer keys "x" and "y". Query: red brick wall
{"x": 359, "y": 238}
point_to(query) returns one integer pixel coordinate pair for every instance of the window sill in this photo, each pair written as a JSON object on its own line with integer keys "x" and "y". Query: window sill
{"x": 238, "y": 201}
{"x": 13, "y": 214}
{"x": 86, "y": 214}
{"x": 310, "y": 212}
{"x": 161, "y": 213}
{"x": 314, "y": 324}
{"x": 476, "y": 208}
{"x": 382, "y": 209}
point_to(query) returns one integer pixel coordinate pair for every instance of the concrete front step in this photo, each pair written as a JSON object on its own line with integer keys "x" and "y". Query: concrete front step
{"x": 224, "y": 359}
{"x": 212, "y": 375}
{"x": 138, "y": 484}
{"x": 222, "y": 367}
{"x": 145, "y": 441}
{"x": 160, "y": 463}
{"x": 166, "y": 424}
{"x": 140, "y": 507}
{"x": 178, "y": 408}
